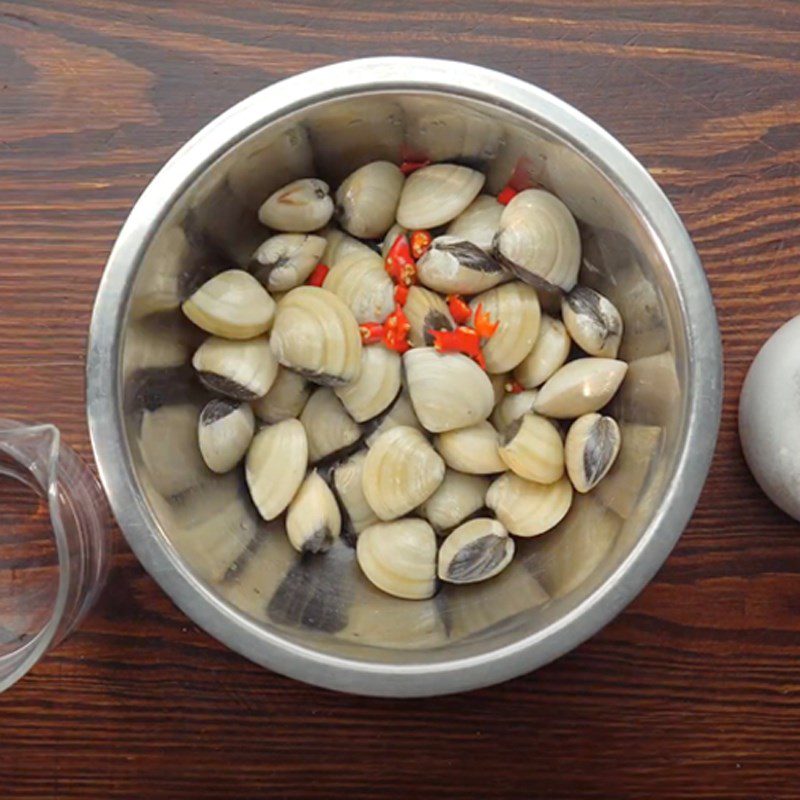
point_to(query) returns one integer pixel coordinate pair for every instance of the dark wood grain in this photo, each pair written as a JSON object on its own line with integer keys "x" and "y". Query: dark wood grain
{"x": 693, "y": 692}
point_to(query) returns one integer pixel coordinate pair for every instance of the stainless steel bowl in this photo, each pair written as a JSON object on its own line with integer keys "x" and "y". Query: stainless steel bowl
{"x": 316, "y": 619}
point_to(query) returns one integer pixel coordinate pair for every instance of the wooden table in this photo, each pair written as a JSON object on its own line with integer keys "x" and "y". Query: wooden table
{"x": 693, "y": 692}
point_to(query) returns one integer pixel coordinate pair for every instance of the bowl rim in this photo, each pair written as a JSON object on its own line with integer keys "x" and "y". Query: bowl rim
{"x": 103, "y": 379}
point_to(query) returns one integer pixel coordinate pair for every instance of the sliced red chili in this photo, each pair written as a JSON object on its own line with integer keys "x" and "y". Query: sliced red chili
{"x": 395, "y": 331}
{"x": 319, "y": 274}
{"x": 419, "y": 242}
{"x": 513, "y": 387}
{"x": 371, "y": 332}
{"x": 407, "y": 167}
{"x": 507, "y": 194}
{"x": 400, "y": 294}
{"x": 461, "y": 340}
{"x": 400, "y": 263}
{"x": 484, "y": 326}
{"x": 459, "y": 310}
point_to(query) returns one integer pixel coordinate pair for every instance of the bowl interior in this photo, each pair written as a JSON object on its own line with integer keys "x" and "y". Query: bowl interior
{"x": 322, "y": 603}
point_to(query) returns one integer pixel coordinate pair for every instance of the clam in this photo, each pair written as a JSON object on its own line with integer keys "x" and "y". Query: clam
{"x": 458, "y": 496}
{"x": 437, "y": 194}
{"x": 549, "y": 352}
{"x": 367, "y": 199}
{"x": 328, "y": 426}
{"x": 361, "y": 282}
{"x": 475, "y": 551}
{"x": 452, "y": 265}
{"x": 591, "y": 447}
{"x": 499, "y": 381}
{"x": 538, "y": 240}
{"x": 426, "y": 311}
{"x": 287, "y": 259}
{"x": 478, "y": 223}
{"x": 516, "y": 307}
{"x": 400, "y": 413}
{"x": 232, "y": 304}
{"x": 339, "y": 245}
{"x": 275, "y": 466}
{"x": 401, "y": 471}
{"x": 316, "y": 334}
{"x": 242, "y": 370}
{"x": 512, "y": 407}
{"x": 447, "y": 390}
{"x": 348, "y": 484}
{"x": 532, "y": 448}
{"x": 580, "y": 387}
{"x": 593, "y": 322}
{"x": 474, "y": 450}
{"x": 313, "y": 521}
{"x": 300, "y": 206}
{"x": 388, "y": 240}
{"x": 285, "y": 399}
{"x": 375, "y": 388}
{"x": 527, "y": 508}
{"x": 399, "y": 558}
{"x": 224, "y": 432}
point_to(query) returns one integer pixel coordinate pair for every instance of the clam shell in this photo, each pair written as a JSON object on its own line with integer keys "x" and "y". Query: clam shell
{"x": 452, "y": 265}
{"x": 447, "y": 390}
{"x": 593, "y": 322}
{"x": 275, "y": 466}
{"x": 401, "y": 412}
{"x": 474, "y": 449}
{"x": 363, "y": 284}
{"x": 286, "y": 260}
{"x": 313, "y": 521}
{"x": 591, "y": 448}
{"x": 580, "y": 387}
{"x": 399, "y": 558}
{"x": 478, "y": 223}
{"x": 367, "y": 199}
{"x": 375, "y": 388}
{"x": 338, "y": 246}
{"x": 300, "y": 206}
{"x": 285, "y": 399}
{"x": 329, "y": 428}
{"x": 527, "y": 508}
{"x": 401, "y": 471}
{"x": 224, "y": 432}
{"x": 549, "y": 352}
{"x": 242, "y": 370}
{"x": 532, "y": 448}
{"x": 512, "y": 407}
{"x": 388, "y": 240}
{"x": 516, "y": 307}
{"x": 232, "y": 304}
{"x": 316, "y": 334}
{"x": 437, "y": 194}
{"x": 347, "y": 483}
{"x": 426, "y": 311}
{"x": 475, "y": 551}
{"x": 538, "y": 240}
{"x": 458, "y": 496}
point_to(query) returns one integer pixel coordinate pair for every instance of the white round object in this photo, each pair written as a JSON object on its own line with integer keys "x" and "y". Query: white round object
{"x": 769, "y": 418}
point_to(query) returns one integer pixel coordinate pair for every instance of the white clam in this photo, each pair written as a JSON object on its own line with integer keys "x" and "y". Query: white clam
{"x": 512, "y": 407}
{"x": 527, "y": 508}
{"x": 390, "y": 238}
{"x": 475, "y": 551}
{"x": 458, "y": 496}
{"x": 286, "y": 260}
{"x": 339, "y": 245}
{"x": 401, "y": 471}
{"x": 580, "y": 387}
{"x": 313, "y": 521}
{"x": 399, "y": 558}
{"x": 400, "y": 413}
{"x": 447, "y": 390}
{"x": 426, "y": 311}
{"x": 549, "y": 352}
{"x": 316, "y": 334}
{"x": 478, "y": 223}
{"x": 538, "y": 240}
{"x": 275, "y": 466}
{"x": 224, "y": 432}
{"x": 329, "y": 428}
{"x": 300, "y": 206}
{"x": 591, "y": 448}
{"x": 474, "y": 449}
{"x": 437, "y": 194}
{"x": 361, "y": 282}
{"x": 593, "y": 322}
{"x": 532, "y": 448}
{"x": 451, "y": 265}
{"x": 515, "y": 307}
{"x": 375, "y": 388}
{"x": 244, "y": 370}
{"x": 367, "y": 199}
{"x": 233, "y": 305}
{"x": 285, "y": 399}
{"x": 348, "y": 484}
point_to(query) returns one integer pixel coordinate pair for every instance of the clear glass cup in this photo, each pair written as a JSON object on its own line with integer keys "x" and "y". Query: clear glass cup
{"x": 54, "y": 547}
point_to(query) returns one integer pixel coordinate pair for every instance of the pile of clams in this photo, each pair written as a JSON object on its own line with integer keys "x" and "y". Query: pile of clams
{"x": 384, "y": 370}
